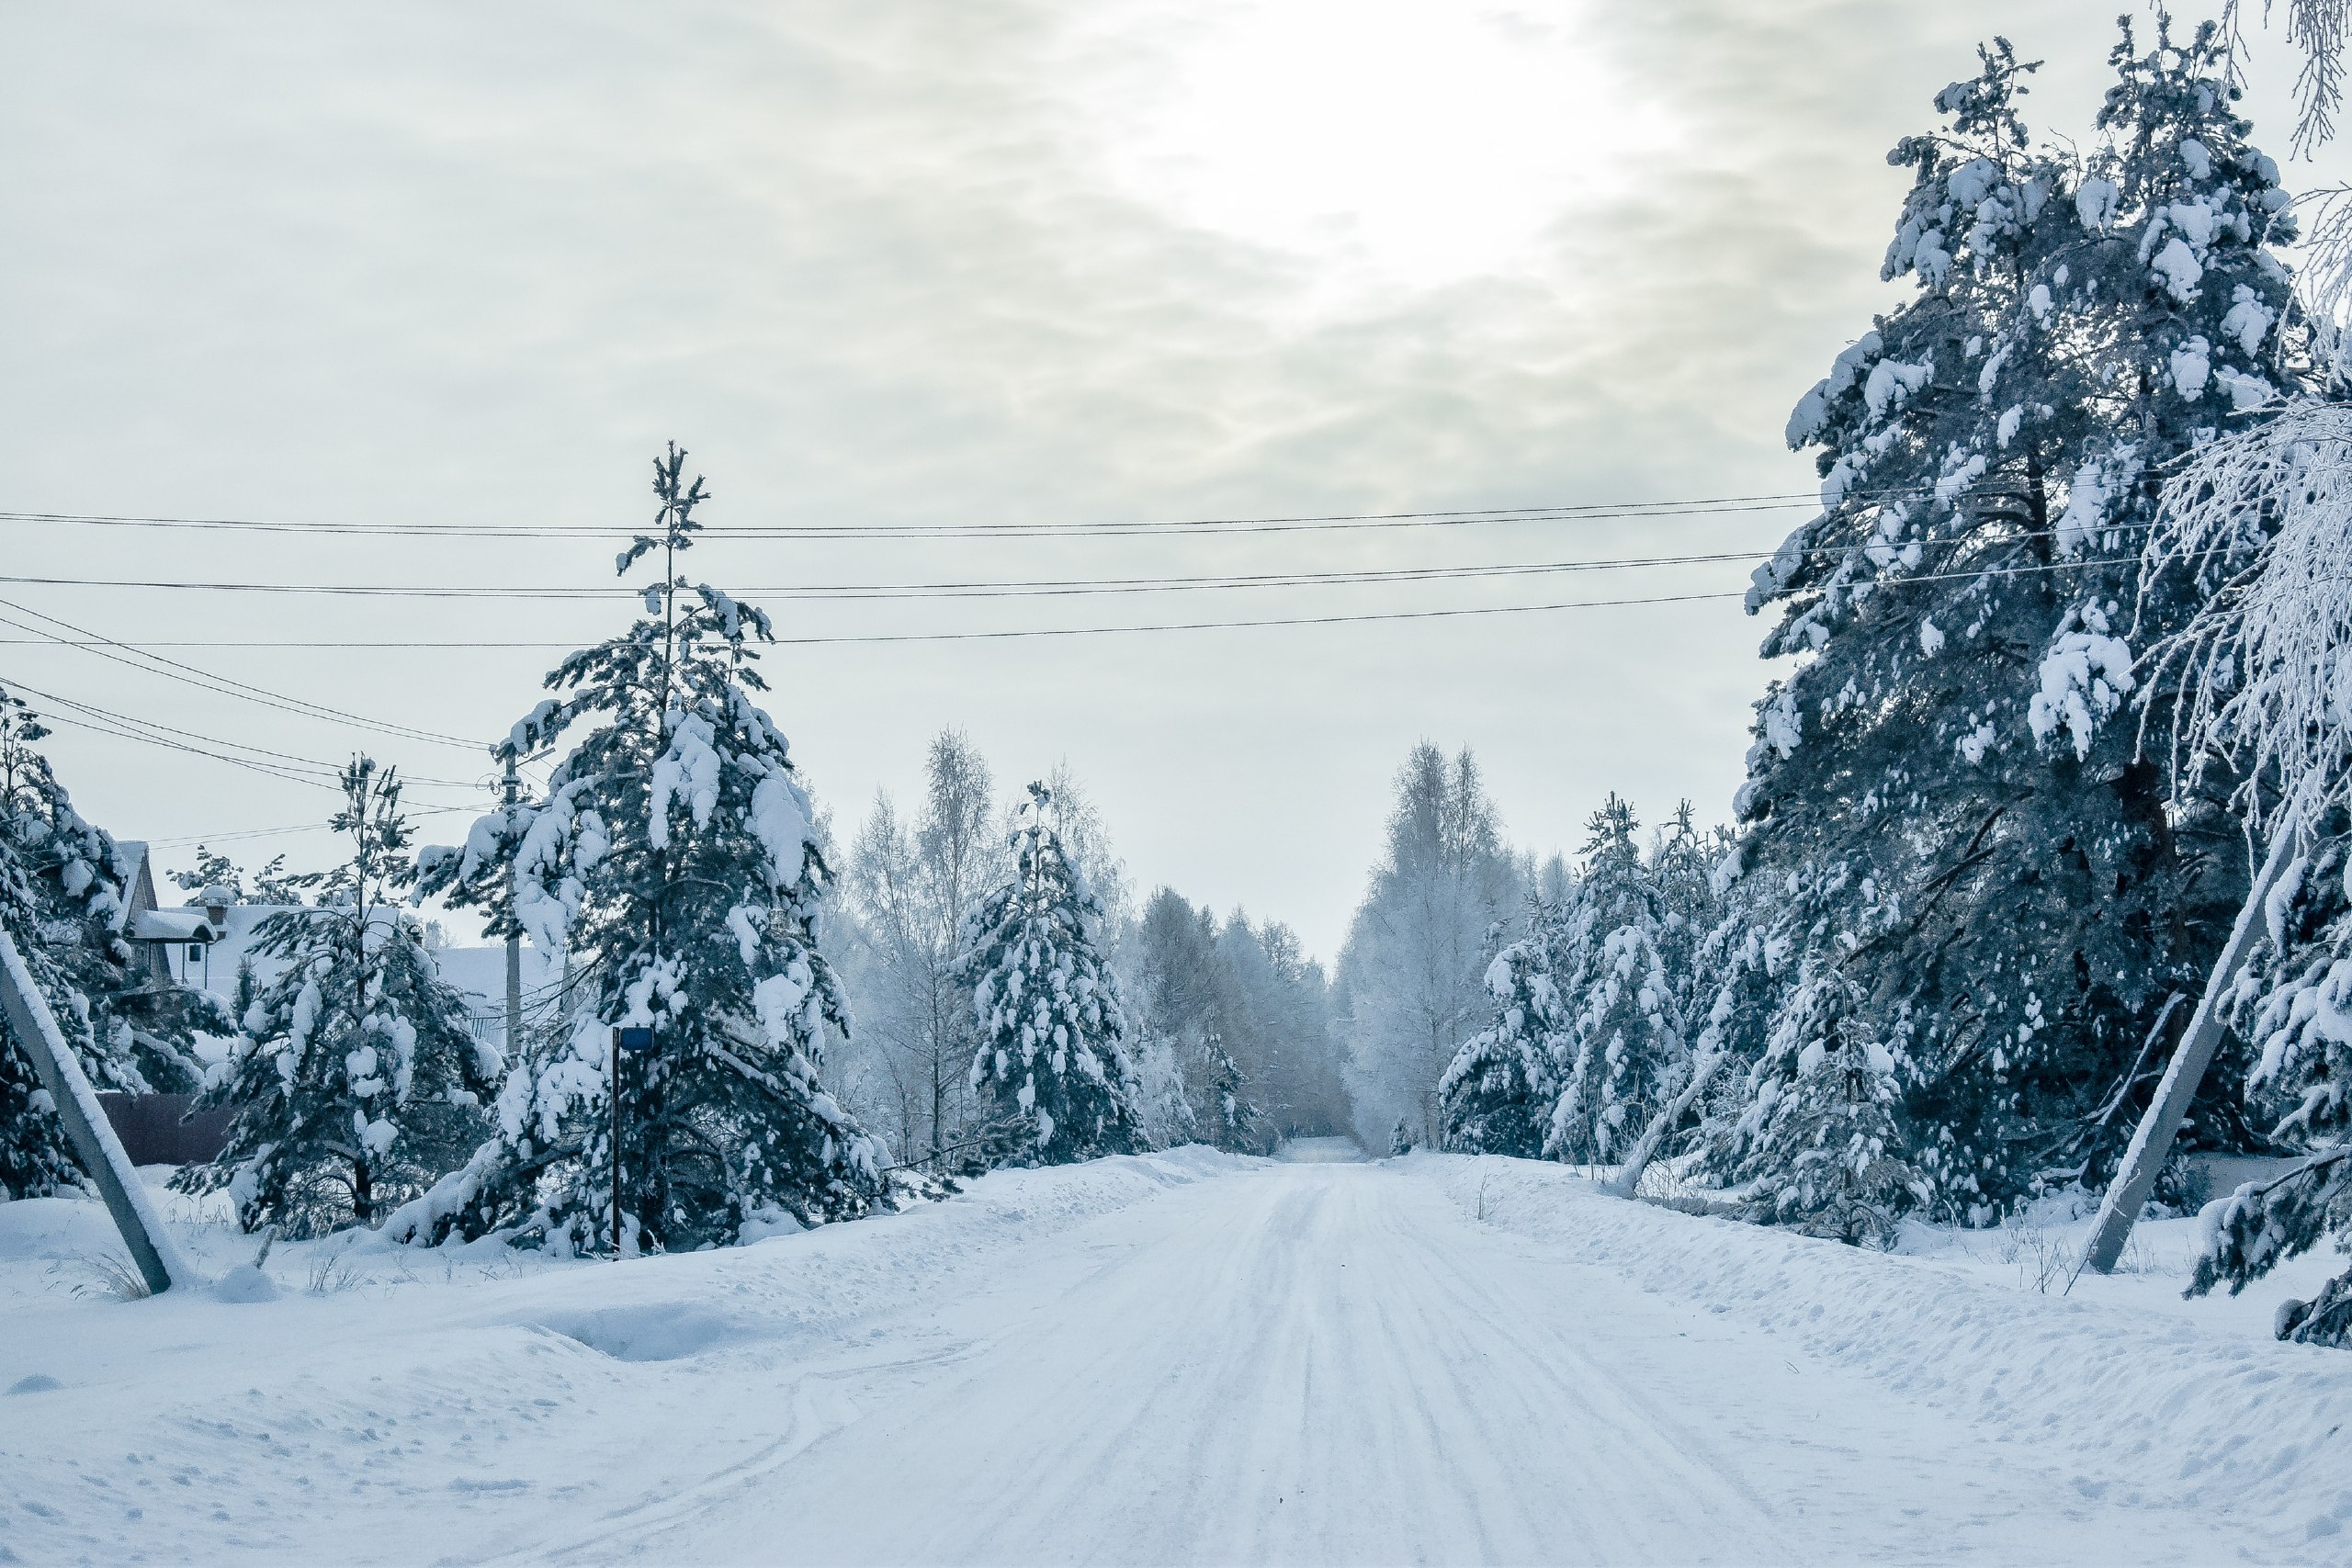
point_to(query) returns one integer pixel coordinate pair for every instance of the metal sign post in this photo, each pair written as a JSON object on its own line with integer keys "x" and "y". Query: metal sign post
{"x": 623, "y": 1040}
{"x": 35, "y": 1027}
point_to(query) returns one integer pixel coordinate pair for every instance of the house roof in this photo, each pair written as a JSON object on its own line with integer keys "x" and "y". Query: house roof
{"x": 172, "y": 925}
{"x": 478, "y": 971}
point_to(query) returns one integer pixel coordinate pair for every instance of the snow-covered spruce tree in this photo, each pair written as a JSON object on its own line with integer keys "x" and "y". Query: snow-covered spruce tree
{"x": 1819, "y": 1137}
{"x": 676, "y": 856}
{"x": 1989, "y": 858}
{"x": 354, "y": 1079}
{"x": 1625, "y": 970}
{"x": 63, "y": 900}
{"x": 1232, "y": 1123}
{"x": 1498, "y": 1095}
{"x": 1053, "y": 1057}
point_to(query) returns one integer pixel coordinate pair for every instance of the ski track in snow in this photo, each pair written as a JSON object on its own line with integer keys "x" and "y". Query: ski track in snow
{"x": 1177, "y": 1358}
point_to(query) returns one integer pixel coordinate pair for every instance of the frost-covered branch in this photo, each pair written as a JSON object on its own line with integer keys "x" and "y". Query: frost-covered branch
{"x": 2321, "y": 30}
{"x": 2265, "y": 670}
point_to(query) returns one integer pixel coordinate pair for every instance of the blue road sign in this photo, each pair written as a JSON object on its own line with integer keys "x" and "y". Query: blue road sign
{"x": 635, "y": 1039}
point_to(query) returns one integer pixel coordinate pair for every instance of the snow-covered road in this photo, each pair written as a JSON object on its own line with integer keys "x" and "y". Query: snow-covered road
{"x": 1326, "y": 1364}
{"x": 1230, "y": 1363}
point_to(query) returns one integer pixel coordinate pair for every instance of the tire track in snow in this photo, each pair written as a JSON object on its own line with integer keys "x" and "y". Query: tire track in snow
{"x": 1331, "y": 1364}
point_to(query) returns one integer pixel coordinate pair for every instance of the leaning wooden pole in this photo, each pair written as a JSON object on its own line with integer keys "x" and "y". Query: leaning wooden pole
{"x": 2135, "y": 1179}
{"x": 101, "y": 1153}
{"x": 1628, "y": 1179}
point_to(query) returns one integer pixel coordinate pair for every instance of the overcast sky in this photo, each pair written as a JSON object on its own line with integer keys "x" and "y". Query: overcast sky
{"x": 972, "y": 261}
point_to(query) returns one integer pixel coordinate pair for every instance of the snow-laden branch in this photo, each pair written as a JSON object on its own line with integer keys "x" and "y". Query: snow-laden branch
{"x": 2265, "y": 671}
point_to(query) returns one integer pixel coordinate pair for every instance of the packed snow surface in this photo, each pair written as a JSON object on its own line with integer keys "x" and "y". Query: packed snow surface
{"x": 1319, "y": 1151}
{"x": 1181, "y": 1357}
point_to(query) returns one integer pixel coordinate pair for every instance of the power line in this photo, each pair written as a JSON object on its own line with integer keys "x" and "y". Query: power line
{"x": 171, "y": 669}
{"x": 196, "y": 840}
{"x": 1039, "y": 588}
{"x": 119, "y": 733}
{"x": 1565, "y": 511}
{"x": 284, "y": 766}
{"x": 1023, "y": 632}
{"x": 1017, "y": 588}
{"x": 1423, "y": 615}
{"x": 1919, "y": 578}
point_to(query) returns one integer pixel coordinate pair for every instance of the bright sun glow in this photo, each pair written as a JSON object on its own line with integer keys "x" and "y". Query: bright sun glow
{"x": 1391, "y": 143}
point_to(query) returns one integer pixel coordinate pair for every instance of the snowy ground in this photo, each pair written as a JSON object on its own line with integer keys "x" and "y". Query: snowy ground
{"x": 1181, "y": 1359}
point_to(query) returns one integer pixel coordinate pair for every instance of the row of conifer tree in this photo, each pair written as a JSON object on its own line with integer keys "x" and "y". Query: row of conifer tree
{"x": 2000, "y": 816}
{"x": 675, "y": 1100}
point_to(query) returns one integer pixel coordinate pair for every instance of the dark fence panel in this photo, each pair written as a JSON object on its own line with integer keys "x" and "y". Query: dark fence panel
{"x": 159, "y": 1129}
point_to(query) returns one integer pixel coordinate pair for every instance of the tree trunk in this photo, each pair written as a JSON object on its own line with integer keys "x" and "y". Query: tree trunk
{"x": 1628, "y": 1179}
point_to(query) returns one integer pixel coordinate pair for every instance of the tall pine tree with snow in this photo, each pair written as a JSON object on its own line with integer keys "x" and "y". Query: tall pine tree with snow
{"x": 675, "y": 855}
{"x": 1053, "y": 1057}
{"x": 354, "y": 1080}
{"x": 63, "y": 900}
{"x": 1989, "y": 858}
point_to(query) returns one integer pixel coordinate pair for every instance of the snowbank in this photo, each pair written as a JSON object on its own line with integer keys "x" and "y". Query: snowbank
{"x": 378, "y": 1388}
{"x": 2197, "y": 1413}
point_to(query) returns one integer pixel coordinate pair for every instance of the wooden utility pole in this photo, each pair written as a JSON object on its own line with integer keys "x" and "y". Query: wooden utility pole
{"x": 152, "y": 1249}
{"x": 615, "y": 1095}
{"x": 514, "y": 943}
{"x": 624, "y": 1040}
{"x": 2135, "y": 1179}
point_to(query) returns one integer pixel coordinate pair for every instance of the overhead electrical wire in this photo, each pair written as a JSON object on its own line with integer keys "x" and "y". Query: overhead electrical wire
{"x": 194, "y": 841}
{"x": 1010, "y": 634}
{"x": 285, "y": 765}
{"x": 292, "y": 768}
{"x": 1015, "y": 588}
{"x": 187, "y": 674}
{"x": 1564, "y": 512}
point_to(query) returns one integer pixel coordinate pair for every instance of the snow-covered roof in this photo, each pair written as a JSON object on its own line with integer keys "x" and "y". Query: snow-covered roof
{"x": 172, "y": 925}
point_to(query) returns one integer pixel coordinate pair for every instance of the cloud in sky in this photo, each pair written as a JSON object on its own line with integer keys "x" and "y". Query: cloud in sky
{"x": 988, "y": 261}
